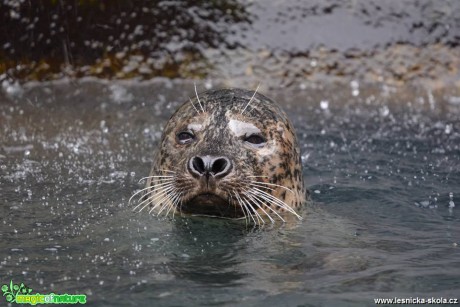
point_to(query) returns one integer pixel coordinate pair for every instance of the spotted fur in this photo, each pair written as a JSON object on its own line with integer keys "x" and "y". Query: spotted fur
{"x": 265, "y": 182}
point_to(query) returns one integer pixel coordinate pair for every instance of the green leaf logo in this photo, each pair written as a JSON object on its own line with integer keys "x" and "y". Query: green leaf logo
{"x": 10, "y": 291}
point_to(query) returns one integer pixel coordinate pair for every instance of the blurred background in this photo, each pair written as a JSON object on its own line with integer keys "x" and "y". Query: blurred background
{"x": 281, "y": 42}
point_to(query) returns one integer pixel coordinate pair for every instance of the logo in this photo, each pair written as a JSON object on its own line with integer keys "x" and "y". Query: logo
{"x": 21, "y": 294}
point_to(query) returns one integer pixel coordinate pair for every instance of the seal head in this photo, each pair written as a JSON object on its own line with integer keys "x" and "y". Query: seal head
{"x": 228, "y": 153}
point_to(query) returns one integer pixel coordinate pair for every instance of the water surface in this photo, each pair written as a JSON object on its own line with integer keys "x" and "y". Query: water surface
{"x": 382, "y": 164}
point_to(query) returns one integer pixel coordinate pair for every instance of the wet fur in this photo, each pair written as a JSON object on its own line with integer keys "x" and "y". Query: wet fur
{"x": 265, "y": 183}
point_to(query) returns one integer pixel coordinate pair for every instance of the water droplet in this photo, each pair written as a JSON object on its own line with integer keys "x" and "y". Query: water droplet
{"x": 120, "y": 94}
{"x": 384, "y": 111}
{"x": 354, "y": 88}
{"x": 324, "y": 104}
{"x": 451, "y": 201}
{"x": 454, "y": 100}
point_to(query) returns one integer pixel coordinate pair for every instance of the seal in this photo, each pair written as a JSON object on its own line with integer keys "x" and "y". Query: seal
{"x": 228, "y": 153}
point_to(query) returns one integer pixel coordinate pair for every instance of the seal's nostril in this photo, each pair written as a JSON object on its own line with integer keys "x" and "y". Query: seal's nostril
{"x": 198, "y": 165}
{"x": 209, "y": 166}
{"x": 218, "y": 165}
{"x": 221, "y": 167}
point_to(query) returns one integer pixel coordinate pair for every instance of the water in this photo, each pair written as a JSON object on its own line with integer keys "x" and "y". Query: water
{"x": 382, "y": 165}
{"x": 278, "y": 41}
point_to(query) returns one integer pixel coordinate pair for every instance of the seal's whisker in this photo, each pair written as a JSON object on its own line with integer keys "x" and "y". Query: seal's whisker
{"x": 157, "y": 178}
{"x": 147, "y": 201}
{"x": 272, "y": 184}
{"x": 261, "y": 186}
{"x": 257, "y": 204}
{"x": 231, "y": 201}
{"x": 158, "y": 187}
{"x": 163, "y": 178}
{"x": 249, "y": 198}
{"x": 173, "y": 202}
{"x": 270, "y": 201}
{"x": 161, "y": 188}
{"x": 164, "y": 170}
{"x": 281, "y": 204}
{"x": 258, "y": 176}
{"x": 199, "y": 102}
{"x": 162, "y": 183}
{"x": 251, "y": 214}
{"x": 275, "y": 200}
{"x": 259, "y": 218}
{"x": 239, "y": 203}
{"x": 152, "y": 177}
{"x": 278, "y": 202}
{"x": 167, "y": 204}
{"x": 255, "y": 211}
{"x": 155, "y": 194}
{"x": 178, "y": 203}
{"x": 256, "y": 196}
{"x": 250, "y": 100}
{"x": 160, "y": 202}
{"x": 194, "y": 106}
{"x": 136, "y": 193}
{"x": 245, "y": 208}
{"x": 145, "y": 206}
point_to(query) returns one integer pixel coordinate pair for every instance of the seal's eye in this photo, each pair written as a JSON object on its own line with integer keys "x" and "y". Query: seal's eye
{"x": 184, "y": 137}
{"x": 255, "y": 139}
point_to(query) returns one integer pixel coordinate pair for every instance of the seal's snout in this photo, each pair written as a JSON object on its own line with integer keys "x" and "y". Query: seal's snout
{"x": 217, "y": 167}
